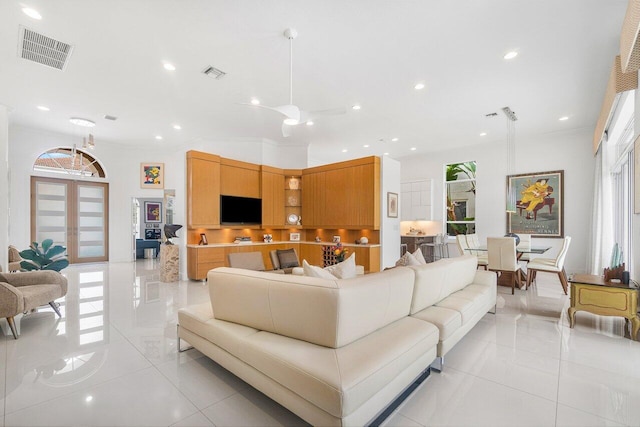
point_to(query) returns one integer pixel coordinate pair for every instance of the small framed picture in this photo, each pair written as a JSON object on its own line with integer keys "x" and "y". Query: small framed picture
{"x": 294, "y": 237}
{"x": 392, "y": 205}
{"x": 203, "y": 239}
{"x": 152, "y": 175}
{"x": 336, "y": 239}
{"x": 153, "y": 212}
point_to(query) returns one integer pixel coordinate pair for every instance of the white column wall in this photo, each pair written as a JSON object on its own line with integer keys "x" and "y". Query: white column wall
{"x": 4, "y": 187}
{"x": 569, "y": 151}
{"x": 389, "y": 227}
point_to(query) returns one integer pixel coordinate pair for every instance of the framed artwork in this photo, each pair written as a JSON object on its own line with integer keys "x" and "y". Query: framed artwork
{"x": 392, "y": 205}
{"x": 294, "y": 237}
{"x": 153, "y": 211}
{"x": 152, "y": 175}
{"x": 203, "y": 239}
{"x": 636, "y": 175}
{"x": 336, "y": 239}
{"x": 539, "y": 204}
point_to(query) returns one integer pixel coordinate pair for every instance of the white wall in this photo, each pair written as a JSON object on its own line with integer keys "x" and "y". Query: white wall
{"x": 4, "y": 186}
{"x": 635, "y": 218}
{"x": 389, "y": 227}
{"x": 568, "y": 151}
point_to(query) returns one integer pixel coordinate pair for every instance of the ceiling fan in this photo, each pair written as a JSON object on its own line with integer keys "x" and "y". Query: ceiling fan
{"x": 292, "y": 113}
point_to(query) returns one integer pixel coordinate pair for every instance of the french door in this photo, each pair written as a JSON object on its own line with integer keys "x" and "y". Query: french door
{"x": 72, "y": 213}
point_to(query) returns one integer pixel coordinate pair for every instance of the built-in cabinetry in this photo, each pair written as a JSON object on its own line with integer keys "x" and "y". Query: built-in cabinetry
{"x": 203, "y": 190}
{"x": 416, "y": 202}
{"x": 293, "y": 198}
{"x": 273, "y": 197}
{"x": 342, "y": 195}
{"x": 240, "y": 179}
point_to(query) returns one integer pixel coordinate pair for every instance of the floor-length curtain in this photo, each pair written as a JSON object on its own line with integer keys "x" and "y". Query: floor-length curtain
{"x": 601, "y": 238}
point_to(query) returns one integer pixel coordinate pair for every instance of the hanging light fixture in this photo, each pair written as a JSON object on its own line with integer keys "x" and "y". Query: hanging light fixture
{"x": 88, "y": 143}
{"x": 511, "y": 156}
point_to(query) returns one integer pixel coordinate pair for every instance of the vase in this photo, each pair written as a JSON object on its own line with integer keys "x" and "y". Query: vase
{"x": 515, "y": 236}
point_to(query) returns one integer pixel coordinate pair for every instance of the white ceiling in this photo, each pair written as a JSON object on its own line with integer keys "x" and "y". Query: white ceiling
{"x": 369, "y": 52}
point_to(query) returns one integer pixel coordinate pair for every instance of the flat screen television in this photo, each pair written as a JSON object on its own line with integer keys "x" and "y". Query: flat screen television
{"x": 240, "y": 210}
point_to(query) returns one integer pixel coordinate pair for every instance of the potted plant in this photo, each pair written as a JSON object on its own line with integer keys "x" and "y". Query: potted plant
{"x": 44, "y": 257}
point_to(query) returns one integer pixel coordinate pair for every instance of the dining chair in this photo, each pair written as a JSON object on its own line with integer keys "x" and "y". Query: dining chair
{"x": 465, "y": 249}
{"x": 502, "y": 259}
{"x": 550, "y": 265}
{"x": 525, "y": 243}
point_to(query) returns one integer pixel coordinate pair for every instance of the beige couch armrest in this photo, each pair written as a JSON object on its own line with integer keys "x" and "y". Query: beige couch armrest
{"x": 11, "y": 300}
{"x": 42, "y": 277}
{"x": 487, "y": 278}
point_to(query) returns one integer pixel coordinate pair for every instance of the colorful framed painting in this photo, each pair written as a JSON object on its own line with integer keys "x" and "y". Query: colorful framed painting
{"x": 153, "y": 211}
{"x": 539, "y": 204}
{"x": 152, "y": 175}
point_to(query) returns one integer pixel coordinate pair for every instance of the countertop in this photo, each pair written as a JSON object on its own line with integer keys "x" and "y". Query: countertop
{"x": 258, "y": 243}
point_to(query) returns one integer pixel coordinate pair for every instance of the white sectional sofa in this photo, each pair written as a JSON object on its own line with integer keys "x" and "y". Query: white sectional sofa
{"x": 335, "y": 352}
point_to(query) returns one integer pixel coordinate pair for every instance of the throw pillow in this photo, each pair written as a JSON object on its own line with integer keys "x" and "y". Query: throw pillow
{"x": 419, "y": 256}
{"x": 345, "y": 269}
{"x": 313, "y": 271}
{"x": 287, "y": 258}
{"x": 407, "y": 259}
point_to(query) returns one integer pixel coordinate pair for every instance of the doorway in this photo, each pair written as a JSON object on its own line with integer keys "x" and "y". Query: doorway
{"x": 74, "y": 214}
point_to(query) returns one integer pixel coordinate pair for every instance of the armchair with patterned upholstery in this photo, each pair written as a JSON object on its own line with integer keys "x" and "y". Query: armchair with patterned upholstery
{"x": 25, "y": 291}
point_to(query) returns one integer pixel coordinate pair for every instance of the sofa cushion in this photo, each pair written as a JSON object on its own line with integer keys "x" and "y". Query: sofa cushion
{"x": 332, "y": 313}
{"x": 464, "y": 306}
{"x": 419, "y": 256}
{"x": 407, "y": 259}
{"x": 287, "y": 258}
{"x": 345, "y": 269}
{"x": 446, "y": 320}
{"x": 315, "y": 271}
{"x": 340, "y": 380}
{"x": 437, "y": 280}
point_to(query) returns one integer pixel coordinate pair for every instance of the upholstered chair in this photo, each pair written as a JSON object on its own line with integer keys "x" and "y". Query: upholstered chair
{"x": 502, "y": 258}
{"x": 247, "y": 260}
{"x": 465, "y": 244}
{"x": 284, "y": 259}
{"x": 22, "y": 292}
{"x": 14, "y": 258}
{"x": 551, "y": 265}
{"x": 525, "y": 243}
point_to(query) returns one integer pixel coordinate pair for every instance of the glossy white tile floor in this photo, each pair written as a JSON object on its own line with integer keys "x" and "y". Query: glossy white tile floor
{"x": 112, "y": 360}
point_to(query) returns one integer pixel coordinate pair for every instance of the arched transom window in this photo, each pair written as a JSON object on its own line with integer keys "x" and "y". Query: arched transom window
{"x": 69, "y": 161}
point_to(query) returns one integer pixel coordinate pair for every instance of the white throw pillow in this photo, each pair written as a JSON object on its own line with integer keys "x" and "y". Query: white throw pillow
{"x": 419, "y": 256}
{"x": 313, "y": 271}
{"x": 345, "y": 269}
{"x": 407, "y": 259}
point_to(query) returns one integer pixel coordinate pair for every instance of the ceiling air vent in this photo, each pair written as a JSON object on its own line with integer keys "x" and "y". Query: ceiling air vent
{"x": 109, "y": 117}
{"x": 214, "y": 72}
{"x": 43, "y": 50}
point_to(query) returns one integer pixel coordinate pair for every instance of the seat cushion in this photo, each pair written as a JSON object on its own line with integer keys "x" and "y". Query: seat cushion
{"x": 446, "y": 320}
{"x": 287, "y": 258}
{"x": 340, "y": 380}
{"x": 37, "y": 295}
{"x": 465, "y": 306}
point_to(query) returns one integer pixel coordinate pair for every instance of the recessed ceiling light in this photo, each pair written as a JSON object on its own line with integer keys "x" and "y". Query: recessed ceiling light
{"x": 510, "y": 55}
{"x": 82, "y": 122}
{"x": 394, "y": 139}
{"x": 413, "y": 148}
{"x": 356, "y": 107}
{"x": 177, "y": 127}
{"x": 158, "y": 137}
{"x": 563, "y": 118}
{"x": 309, "y": 123}
{"x": 344, "y": 150}
{"x": 169, "y": 67}
{"x": 483, "y": 134}
{"x": 386, "y": 154}
{"x": 255, "y": 101}
{"x": 366, "y": 145}
{"x": 419, "y": 86}
{"x": 290, "y": 122}
{"x": 43, "y": 108}
{"x": 31, "y": 13}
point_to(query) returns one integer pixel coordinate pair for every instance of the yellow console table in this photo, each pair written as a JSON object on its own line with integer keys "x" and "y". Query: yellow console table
{"x": 591, "y": 293}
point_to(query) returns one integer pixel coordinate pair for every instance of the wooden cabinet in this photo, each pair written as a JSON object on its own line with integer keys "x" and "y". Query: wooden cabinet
{"x": 292, "y": 198}
{"x": 201, "y": 260}
{"x": 273, "y": 198}
{"x": 343, "y": 195}
{"x": 239, "y": 179}
{"x": 203, "y": 190}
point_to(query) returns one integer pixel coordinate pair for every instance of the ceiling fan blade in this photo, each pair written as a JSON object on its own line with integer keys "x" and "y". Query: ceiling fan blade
{"x": 290, "y": 111}
{"x": 286, "y": 130}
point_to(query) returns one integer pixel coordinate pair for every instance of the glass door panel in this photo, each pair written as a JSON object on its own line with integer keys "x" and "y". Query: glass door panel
{"x": 91, "y": 199}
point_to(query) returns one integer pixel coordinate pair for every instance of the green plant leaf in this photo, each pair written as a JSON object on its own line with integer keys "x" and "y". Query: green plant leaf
{"x": 55, "y": 251}
{"x": 57, "y": 265}
{"x": 28, "y": 266}
{"x": 46, "y": 244}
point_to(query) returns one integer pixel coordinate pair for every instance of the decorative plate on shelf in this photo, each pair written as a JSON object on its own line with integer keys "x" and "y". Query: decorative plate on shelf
{"x": 292, "y": 219}
{"x": 293, "y": 201}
